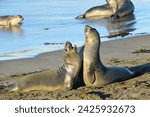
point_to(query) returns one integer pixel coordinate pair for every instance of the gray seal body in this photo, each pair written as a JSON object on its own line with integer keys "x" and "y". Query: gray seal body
{"x": 102, "y": 11}
{"x": 94, "y": 72}
{"x": 124, "y": 8}
{"x": 113, "y": 8}
{"x": 11, "y": 20}
{"x": 62, "y": 78}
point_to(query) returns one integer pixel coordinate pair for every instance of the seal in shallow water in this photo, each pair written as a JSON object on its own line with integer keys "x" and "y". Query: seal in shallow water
{"x": 102, "y": 11}
{"x": 114, "y": 8}
{"x": 94, "y": 72}
{"x": 59, "y": 79}
{"x": 124, "y": 7}
{"x": 11, "y": 20}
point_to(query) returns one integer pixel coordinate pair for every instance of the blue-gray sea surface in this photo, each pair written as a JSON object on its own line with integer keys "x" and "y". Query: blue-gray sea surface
{"x": 48, "y": 24}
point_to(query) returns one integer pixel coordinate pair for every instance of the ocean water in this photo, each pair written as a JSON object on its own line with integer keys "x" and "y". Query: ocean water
{"x": 48, "y": 24}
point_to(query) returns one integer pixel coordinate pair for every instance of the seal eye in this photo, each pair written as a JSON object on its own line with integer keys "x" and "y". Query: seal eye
{"x": 19, "y": 16}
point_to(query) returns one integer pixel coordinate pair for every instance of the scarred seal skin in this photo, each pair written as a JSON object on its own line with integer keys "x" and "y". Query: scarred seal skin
{"x": 61, "y": 78}
{"x": 11, "y": 21}
{"x": 94, "y": 72}
{"x": 115, "y": 8}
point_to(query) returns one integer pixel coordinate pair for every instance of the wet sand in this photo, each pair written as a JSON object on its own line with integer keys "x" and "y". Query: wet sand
{"x": 126, "y": 52}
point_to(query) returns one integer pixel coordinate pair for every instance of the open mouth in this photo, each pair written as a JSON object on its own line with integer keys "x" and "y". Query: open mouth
{"x": 88, "y": 28}
{"x": 22, "y": 18}
{"x": 68, "y": 46}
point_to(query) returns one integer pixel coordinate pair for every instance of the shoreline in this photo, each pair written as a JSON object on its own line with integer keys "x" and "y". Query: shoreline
{"x": 113, "y": 53}
{"x": 120, "y": 48}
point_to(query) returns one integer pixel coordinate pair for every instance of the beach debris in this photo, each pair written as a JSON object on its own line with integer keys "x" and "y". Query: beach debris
{"x": 47, "y": 43}
{"x": 116, "y": 34}
{"x": 142, "y": 51}
{"x": 122, "y": 34}
{"x": 46, "y": 29}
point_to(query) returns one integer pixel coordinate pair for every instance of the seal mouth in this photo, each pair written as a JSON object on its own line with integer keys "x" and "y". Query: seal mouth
{"x": 68, "y": 46}
{"x": 88, "y": 28}
{"x": 21, "y": 17}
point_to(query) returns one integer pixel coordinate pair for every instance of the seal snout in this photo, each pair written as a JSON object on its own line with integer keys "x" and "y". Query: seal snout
{"x": 68, "y": 46}
{"x": 88, "y": 28}
{"x": 21, "y": 17}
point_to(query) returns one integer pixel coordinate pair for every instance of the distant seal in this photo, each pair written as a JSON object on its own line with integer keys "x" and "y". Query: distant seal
{"x": 113, "y": 8}
{"x": 102, "y": 11}
{"x": 94, "y": 72}
{"x": 124, "y": 7}
{"x": 62, "y": 78}
{"x": 11, "y": 20}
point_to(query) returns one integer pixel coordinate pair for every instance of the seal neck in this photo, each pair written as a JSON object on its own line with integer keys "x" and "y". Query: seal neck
{"x": 101, "y": 65}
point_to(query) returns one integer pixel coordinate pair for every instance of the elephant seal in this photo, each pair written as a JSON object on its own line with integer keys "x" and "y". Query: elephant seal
{"x": 11, "y": 20}
{"x": 124, "y": 7}
{"x": 58, "y": 79}
{"x": 113, "y": 8}
{"x": 94, "y": 72}
{"x": 102, "y": 11}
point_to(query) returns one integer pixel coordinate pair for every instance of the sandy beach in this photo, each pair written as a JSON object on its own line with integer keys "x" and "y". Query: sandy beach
{"x": 126, "y": 52}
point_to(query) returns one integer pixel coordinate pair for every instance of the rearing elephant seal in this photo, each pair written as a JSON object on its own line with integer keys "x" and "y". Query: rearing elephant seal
{"x": 94, "y": 72}
{"x": 11, "y": 20}
{"x": 59, "y": 79}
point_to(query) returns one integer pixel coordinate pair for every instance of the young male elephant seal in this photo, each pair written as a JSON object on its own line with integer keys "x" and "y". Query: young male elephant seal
{"x": 113, "y": 8}
{"x": 59, "y": 79}
{"x": 11, "y": 20}
{"x": 94, "y": 72}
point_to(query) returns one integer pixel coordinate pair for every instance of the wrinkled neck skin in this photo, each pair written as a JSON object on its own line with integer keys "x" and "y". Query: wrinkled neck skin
{"x": 94, "y": 56}
{"x": 72, "y": 65}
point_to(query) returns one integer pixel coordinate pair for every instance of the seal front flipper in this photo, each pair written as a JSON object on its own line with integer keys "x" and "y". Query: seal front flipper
{"x": 90, "y": 78}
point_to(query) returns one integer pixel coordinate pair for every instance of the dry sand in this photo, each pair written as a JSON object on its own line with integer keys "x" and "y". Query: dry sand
{"x": 113, "y": 53}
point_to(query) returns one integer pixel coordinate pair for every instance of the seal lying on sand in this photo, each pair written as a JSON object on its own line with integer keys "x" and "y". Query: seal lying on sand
{"x": 114, "y": 8}
{"x": 11, "y": 20}
{"x": 94, "y": 72}
{"x": 59, "y": 79}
